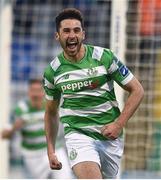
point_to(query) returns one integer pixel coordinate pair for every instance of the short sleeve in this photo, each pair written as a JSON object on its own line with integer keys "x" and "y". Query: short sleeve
{"x": 116, "y": 70}
{"x": 19, "y": 110}
{"x": 51, "y": 93}
{"x": 119, "y": 72}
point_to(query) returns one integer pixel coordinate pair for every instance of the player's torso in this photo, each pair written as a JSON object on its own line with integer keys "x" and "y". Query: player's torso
{"x": 88, "y": 74}
{"x": 88, "y": 99}
{"x": 33, "y": 134}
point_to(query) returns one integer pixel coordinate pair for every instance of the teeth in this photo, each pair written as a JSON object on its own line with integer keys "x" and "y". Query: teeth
{"x": 72, "y": 43}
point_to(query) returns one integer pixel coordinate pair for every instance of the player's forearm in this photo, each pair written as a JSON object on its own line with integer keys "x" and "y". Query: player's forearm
{"x": 131, "y": 105}
{"x": 51, "y": 130}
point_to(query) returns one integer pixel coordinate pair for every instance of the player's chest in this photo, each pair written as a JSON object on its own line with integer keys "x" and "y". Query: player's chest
{"x": 81, "y": 78}
{"x": 33, "y": 117}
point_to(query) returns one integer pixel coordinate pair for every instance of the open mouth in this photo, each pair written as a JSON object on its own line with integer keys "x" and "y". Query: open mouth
{"x": 72, "y": 45}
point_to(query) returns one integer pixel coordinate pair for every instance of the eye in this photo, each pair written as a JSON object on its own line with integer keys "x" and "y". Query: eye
{"x": 77, "y": 30}
{"x": 66, "y": 30}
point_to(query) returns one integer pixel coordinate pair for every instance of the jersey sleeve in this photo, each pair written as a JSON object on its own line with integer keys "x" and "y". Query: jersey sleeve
{"x": 51, "y": 93}
{"x": 19, "y": 110}
{"x": 117, "y": 70}
{"x": 15, "y": 114}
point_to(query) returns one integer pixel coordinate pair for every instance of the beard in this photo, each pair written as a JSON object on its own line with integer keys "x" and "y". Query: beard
{"x": 71, "y": 46}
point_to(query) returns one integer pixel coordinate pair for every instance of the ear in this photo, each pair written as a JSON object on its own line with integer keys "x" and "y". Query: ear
{"x": 83, "y": 35}
{"x": 57, "y": 36}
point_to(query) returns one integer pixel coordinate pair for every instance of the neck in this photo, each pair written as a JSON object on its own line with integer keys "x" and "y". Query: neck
{"x": 37, "y": 105}
{"x": 76, "y": 57}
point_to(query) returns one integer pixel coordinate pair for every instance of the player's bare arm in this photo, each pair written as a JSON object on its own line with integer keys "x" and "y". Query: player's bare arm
{"x": 8, "y": 133}
{"x": 136, "y": 93}
{"x": 51, "y": 130}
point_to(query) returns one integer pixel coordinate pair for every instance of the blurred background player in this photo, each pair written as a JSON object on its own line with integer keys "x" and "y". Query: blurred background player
{"x": 28, "y": 119}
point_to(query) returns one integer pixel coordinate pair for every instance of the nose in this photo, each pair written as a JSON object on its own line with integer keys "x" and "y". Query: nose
{"x": 72, "y": 34}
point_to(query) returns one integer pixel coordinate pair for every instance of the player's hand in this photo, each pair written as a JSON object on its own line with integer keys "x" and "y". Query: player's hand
{"x": 6, "y": 134}
{"x": 54, "y": 163}
{"x": 112, "y": 130}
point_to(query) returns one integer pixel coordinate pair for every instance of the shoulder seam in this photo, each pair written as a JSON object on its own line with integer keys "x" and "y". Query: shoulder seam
{"x": 23, "y": 106}
{"x": 55, "y": 63}
{"x": 97, "y": 52}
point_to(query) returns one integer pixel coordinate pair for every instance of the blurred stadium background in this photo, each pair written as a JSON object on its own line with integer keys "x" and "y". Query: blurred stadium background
{"x": 131, "y": 28}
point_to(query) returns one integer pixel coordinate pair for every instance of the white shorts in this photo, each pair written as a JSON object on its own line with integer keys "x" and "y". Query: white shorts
{"x": 106, "y": 153}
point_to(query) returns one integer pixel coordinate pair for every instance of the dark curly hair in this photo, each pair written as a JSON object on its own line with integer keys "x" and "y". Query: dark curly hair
{"x": 69, "y": 13}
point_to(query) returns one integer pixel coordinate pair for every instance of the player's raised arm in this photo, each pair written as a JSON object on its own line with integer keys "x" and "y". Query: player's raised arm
{"x": 51, "y": 130}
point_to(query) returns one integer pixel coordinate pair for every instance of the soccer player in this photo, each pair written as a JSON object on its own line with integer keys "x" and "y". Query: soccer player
{"x": 79, "y": 88}
{"x": 29, "y": 120}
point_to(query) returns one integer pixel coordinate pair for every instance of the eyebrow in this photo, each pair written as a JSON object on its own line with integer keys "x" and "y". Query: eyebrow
{"x": 72, "y": 28}
{"x": 69, "y": 29}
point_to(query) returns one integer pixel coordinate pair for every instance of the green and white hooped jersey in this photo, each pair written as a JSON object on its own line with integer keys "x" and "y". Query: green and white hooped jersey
{"x": 33, "y": 134}
{"x": 86, "y": 89}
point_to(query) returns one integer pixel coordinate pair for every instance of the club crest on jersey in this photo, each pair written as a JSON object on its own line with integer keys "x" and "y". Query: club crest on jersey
{"x": 123, "y": 70}
{"x": 66, "y": 76}
{"x": 92, "y": 71}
